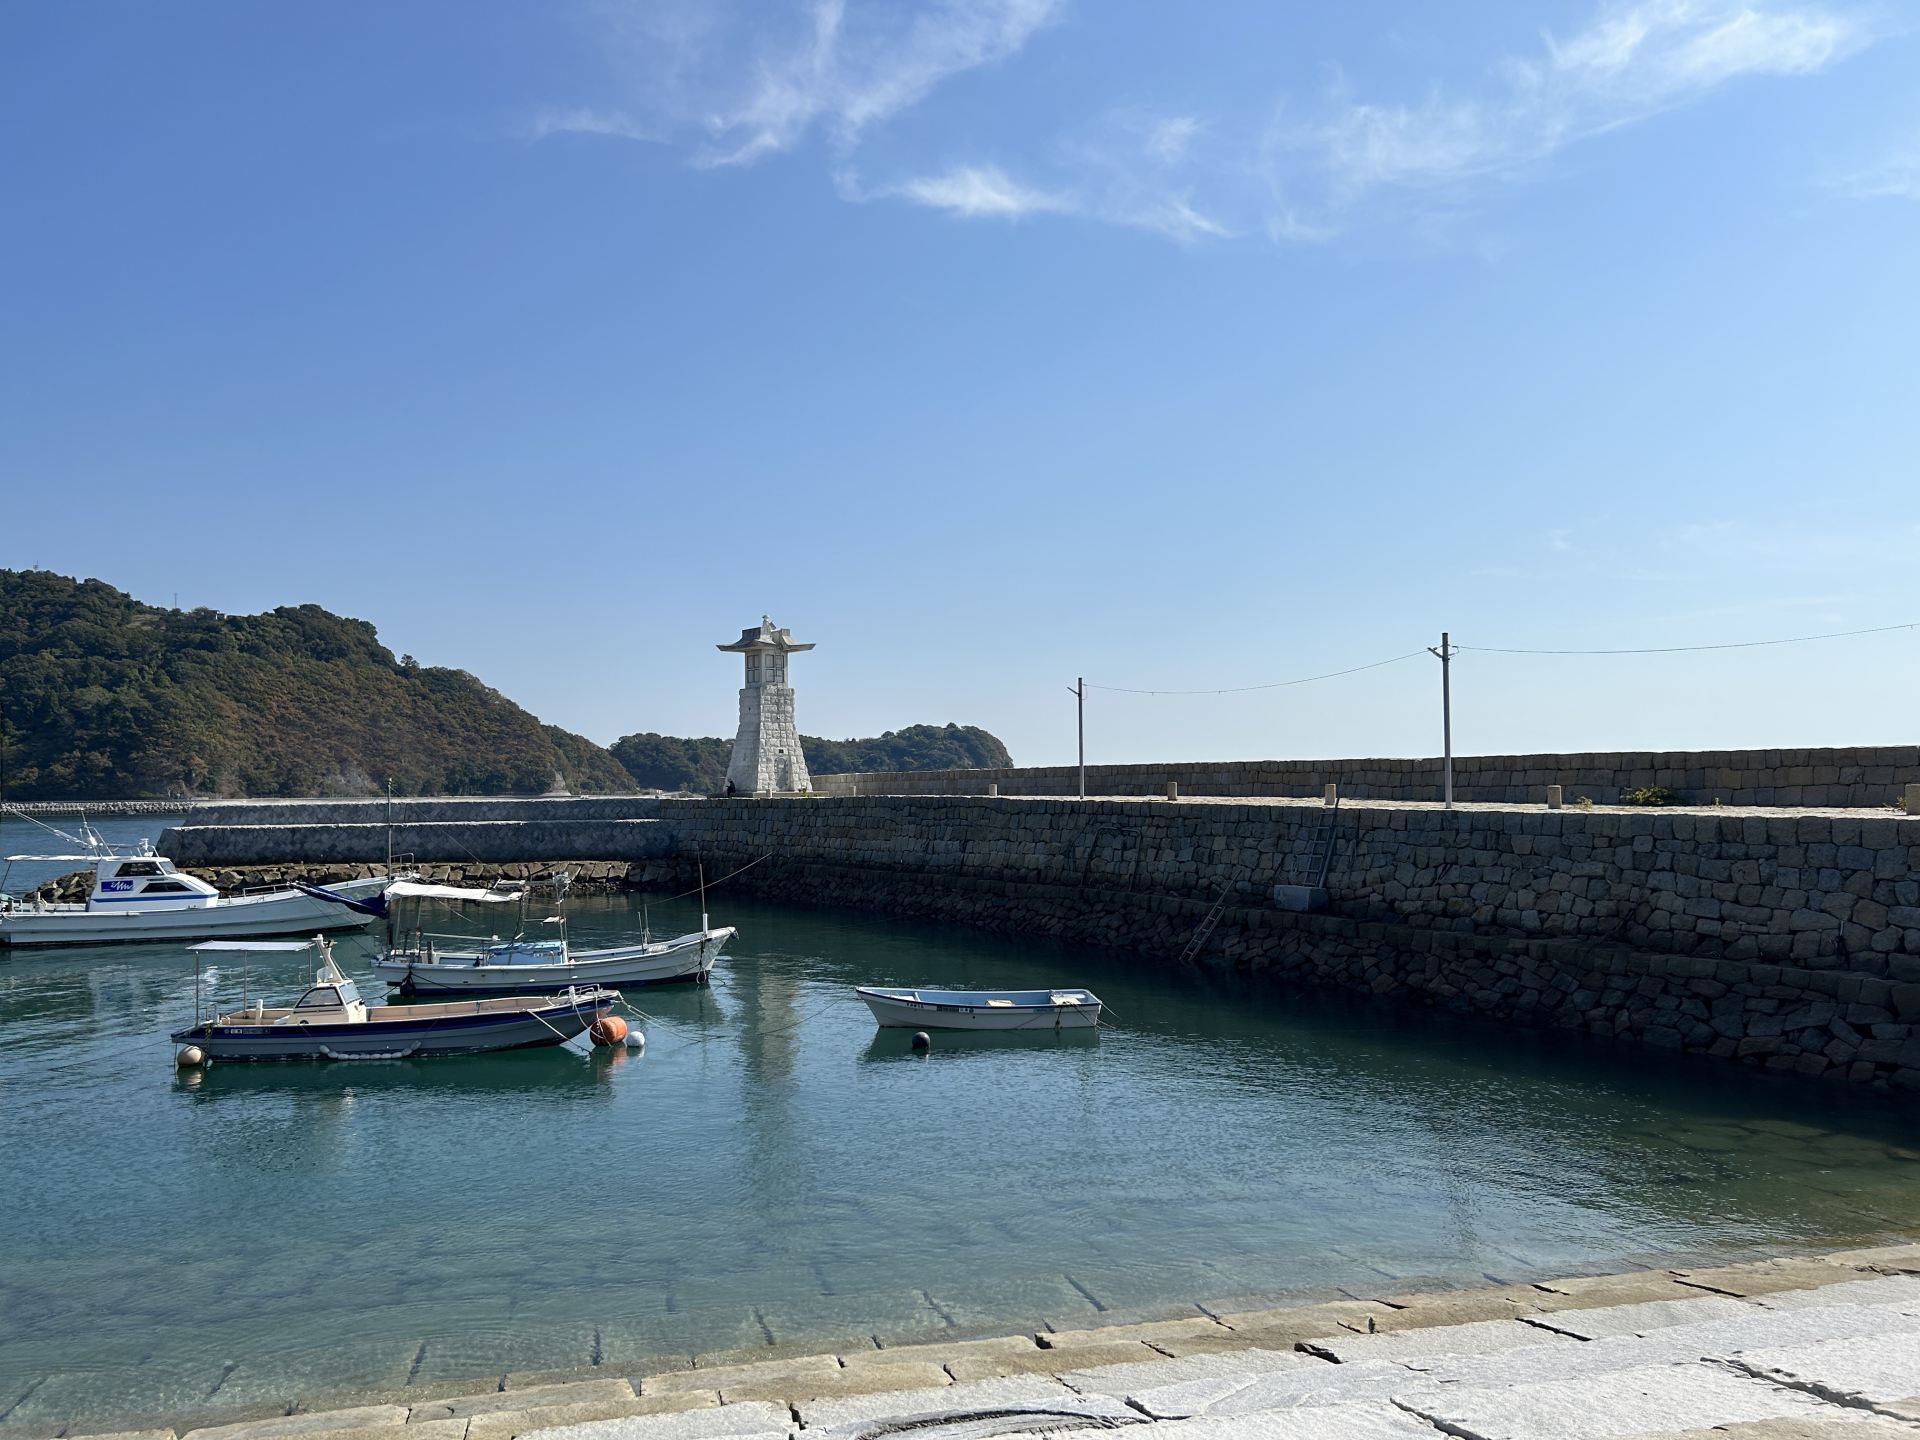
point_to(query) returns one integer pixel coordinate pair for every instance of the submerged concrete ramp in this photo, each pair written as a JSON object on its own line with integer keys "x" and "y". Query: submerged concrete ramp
{"x": 1808, "y": 1348}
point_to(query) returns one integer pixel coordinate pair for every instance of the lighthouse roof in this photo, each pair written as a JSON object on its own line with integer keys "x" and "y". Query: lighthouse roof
{"x": 765, "y": 636}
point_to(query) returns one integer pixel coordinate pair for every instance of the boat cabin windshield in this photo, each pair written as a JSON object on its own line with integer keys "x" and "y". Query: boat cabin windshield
{"x": 329, "y": 997}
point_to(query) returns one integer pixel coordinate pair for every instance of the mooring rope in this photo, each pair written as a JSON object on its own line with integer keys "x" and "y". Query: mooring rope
{"x": 711, "y": 883}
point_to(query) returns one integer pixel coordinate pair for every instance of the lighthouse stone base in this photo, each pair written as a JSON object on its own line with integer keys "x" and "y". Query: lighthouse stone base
{"x": 766, "y": 751}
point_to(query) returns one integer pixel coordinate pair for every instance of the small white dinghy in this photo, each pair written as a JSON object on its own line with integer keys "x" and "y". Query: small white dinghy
{"x": 982, "y": 1009}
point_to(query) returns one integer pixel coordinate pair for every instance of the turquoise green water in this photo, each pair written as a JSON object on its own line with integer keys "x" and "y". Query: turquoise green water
{"x": 772, "y": 1169}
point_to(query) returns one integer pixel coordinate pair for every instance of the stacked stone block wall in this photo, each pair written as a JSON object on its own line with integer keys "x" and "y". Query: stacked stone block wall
{"x": 1791, "y": 942}
{"x": 431, "y": 809}
{"x": 491, "y": 842}
{"x": 1855, "y": 776}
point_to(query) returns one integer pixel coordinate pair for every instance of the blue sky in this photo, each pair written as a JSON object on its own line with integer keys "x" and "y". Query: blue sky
{"x": 989, "y": 343}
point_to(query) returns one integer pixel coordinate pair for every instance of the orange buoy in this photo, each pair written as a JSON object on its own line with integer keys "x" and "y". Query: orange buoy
{"x": 607, "y": 1030}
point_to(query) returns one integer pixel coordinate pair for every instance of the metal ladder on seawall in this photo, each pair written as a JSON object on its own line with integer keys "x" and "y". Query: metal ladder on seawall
{"x": 1319, "y": 855}
{"x": 1212, "y": 918}
{"x": 1316, "y": 862}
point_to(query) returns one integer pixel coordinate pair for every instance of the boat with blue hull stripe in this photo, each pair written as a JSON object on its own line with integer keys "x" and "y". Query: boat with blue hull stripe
{"x": 331, "y": 1022}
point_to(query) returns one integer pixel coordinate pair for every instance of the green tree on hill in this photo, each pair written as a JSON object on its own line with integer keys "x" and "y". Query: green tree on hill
{"x": 102, "y": 697}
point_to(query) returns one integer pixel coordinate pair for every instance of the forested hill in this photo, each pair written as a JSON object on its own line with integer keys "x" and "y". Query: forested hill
{"x": 667, "y": 762}
{"x": 102, "y": 697}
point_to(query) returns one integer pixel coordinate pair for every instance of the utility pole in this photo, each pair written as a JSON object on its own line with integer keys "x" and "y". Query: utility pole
{"x": 1079, "y": 692}
{"x": 1445, "y": 656}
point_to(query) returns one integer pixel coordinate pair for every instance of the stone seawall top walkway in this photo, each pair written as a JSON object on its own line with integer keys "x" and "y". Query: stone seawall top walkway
{"x": 1783, "y": 1349}
{"x": 1480, "y": 807}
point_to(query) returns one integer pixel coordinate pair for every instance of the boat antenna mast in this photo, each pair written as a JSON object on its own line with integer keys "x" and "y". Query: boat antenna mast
{"x": 705, "y": 925}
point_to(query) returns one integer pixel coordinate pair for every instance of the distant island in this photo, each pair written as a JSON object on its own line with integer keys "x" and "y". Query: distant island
{"x": 103, "y": 697}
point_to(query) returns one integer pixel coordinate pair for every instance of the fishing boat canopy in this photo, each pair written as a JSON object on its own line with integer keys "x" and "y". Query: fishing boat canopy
{"x": 422, "y": 891}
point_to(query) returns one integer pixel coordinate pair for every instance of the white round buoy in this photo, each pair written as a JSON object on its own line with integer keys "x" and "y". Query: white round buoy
{"x": 636, "y": 1039}
{"x": 191, "y": 1057}
{"x": 922, "y": 1040}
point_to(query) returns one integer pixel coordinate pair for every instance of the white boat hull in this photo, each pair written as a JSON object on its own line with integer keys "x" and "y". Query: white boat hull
{"x": 687, "y": 957}
{"x": 905, "y": 1009}
{"x": 280, "y": 912}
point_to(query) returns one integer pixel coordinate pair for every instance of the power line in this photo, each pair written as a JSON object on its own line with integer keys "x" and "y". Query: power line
{"x": 1511, "y": 650}
{"x": 1274, "y": 685}
{"x": 1680, "y": 649}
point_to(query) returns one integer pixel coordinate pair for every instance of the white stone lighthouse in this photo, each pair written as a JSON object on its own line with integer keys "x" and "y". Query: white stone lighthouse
{"x": 766, "y": 752}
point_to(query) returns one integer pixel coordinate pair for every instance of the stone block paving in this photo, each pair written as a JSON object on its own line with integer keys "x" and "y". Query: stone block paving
{"x": 1794, "y": 1349}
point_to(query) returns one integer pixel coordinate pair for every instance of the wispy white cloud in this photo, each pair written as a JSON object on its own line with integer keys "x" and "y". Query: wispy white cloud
{"x": 1175, "y": 217}
{"x": 1129, "y": 168}
{"x": 1103, "y": 186}
{"x": 1895, "y": 176}
{"x": 1634, "y": 60}
{"x": 584, "y": 120}
{"x": 1314, "y": 172}
{"x": 734, "y": 82}
{"x": 974, "y": 191}
{"x": 1167, "y": 141}
{"x": 739, "y": 82}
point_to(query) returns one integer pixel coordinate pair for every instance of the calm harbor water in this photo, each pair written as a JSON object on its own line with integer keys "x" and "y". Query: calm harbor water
{"x": 772, "y": 1169}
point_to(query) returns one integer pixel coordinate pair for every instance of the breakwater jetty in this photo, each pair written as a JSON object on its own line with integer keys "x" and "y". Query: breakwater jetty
{"x": 1787, "y": 939}
{"x": 1843, "y": 776}
{"x": 96, "y": 809}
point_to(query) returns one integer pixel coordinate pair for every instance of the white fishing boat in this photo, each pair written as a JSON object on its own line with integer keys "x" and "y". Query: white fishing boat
{"x": 982, "y": 1009}
{"x": 432, "y": 966}
{"x": 141, "y": 896}
{"x": 331, "y": 1022}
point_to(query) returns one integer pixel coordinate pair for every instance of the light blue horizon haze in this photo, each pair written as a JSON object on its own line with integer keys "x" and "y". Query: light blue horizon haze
{"x": 988, "y": 343}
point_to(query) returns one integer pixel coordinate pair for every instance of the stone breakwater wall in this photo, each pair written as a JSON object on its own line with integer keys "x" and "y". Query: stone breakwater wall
{"x": 97, "y": 809}
{"x": 473, "y": 841}
{"x": 1852, "y": 776}
{"x": 1783, "y": 940}
{"x": 1789, "y": 942}
{"x": 431, "y": 809}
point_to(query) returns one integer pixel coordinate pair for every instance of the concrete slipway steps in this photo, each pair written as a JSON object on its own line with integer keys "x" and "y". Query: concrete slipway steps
{"x": 1786, "y": 1349}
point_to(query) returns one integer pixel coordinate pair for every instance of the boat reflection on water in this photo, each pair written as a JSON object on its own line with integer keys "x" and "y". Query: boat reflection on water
{"x": 559, "y": 1073}
{"x": 895, "y": 1044}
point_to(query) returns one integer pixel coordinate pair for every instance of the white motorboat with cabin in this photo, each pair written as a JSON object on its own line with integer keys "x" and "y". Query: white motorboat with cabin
{"x": 982, "y": 1009}
{"x": 331, "y": 1022}
{"x": 142, "y": 896}
{"x": 431, "y": 966}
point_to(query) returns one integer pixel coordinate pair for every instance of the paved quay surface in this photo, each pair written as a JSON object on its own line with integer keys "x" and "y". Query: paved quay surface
{"x": 1489, "y": 807}
{"x": 1784, "y": 1349}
